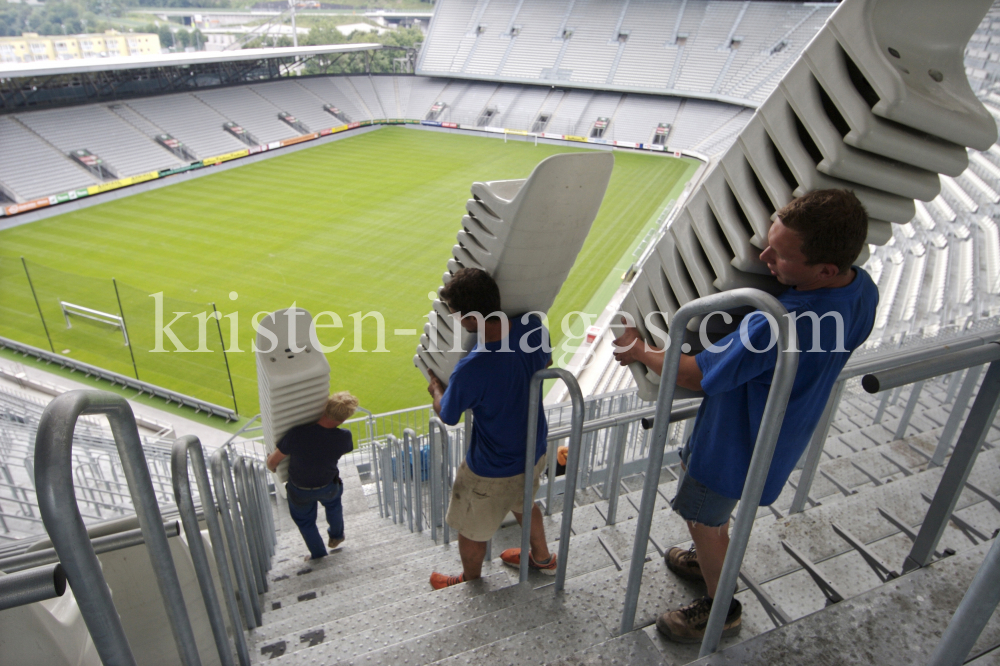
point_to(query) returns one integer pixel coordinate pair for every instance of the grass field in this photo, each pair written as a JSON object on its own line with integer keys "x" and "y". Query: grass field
{"x": 358, "y": 225}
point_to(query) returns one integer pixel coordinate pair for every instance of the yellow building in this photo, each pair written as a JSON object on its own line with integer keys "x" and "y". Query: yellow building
{"x": 31, "y": 47}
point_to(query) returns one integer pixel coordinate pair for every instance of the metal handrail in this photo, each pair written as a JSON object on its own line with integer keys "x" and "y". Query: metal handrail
{"x": 26, "y": 587}
{"x": 760, "y": 462}
{"x": 102, "y": 544}
{"x": 225, "y": 495}
{"x": 439, "y": 464}
{"x": 572, "y": 466}
{"x": 265, "y": 503}
{"x": 247, "y": 514}
{"x": 902, "y": 375}
{"x": 418, "y": 476}
{"x": 189, "y": 448}
{"x": 61, "y": 515}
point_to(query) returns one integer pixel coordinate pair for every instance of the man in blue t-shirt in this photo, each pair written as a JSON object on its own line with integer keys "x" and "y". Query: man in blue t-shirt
{"x": 493, "y": 381}
{"x": 812, "y": 245}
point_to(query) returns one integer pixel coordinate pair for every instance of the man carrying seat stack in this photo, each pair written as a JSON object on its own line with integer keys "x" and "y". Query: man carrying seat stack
{"x": 313, "y": 476}
{"x": 811, "y": 247}
{"x": 493, "y": 381}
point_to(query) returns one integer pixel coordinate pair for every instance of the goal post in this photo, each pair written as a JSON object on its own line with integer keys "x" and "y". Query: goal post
{"x": 94, "y": 315}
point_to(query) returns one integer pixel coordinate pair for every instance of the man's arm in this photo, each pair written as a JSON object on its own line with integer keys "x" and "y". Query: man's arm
{"x": 631, "y": 348}
{"x": 274, "y": 459}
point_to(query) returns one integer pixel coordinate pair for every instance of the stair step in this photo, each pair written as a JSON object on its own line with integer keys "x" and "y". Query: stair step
{"x": 539, "y": 609}
{"x": 573, "y": 632}
{"x": 632, "y": 649}
{"x": 340, "y": 579}
{"x": 404, "y": 598}
{"x": 350, "y": 637}
{"x": 899, "y": 622}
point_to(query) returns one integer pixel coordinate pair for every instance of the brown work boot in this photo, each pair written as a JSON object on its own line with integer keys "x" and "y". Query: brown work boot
{"x": 687, "y": 624}
{"x": 684, "y": 563}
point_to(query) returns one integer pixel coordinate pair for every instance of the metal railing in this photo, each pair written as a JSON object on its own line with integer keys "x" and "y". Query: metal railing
{"x": 187, "y": 449}
{"x": 572, "y": 465}
{"x": 244, "y": 505}
{"x": 857, "y": 367}
{"x": 983, "y": 595}
{"x": 115, "y": 378}
{"x": 61, "y": 515}
{"x": 47, "y": 581}
{"x": 767, "y": 437}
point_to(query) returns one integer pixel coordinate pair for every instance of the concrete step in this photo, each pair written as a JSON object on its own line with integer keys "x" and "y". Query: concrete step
{"x": 574, "y": 631}
{"x": 350, "y": 637}
{"x": 536, "y": 610}
{"x": 327, "y": 574}
{"x": 899, "y": 622}
{"x": 633, "y": 649}
{"x": 408, "y": 596}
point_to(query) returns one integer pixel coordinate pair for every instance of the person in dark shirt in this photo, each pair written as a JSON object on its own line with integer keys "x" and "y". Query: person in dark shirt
{"x": 313, "y": 476}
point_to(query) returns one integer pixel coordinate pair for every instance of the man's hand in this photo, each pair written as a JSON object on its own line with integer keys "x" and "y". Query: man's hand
{"x": 436, "y": 389}
{"x": 629, "y": 346}
{"x": 274, "y": 459}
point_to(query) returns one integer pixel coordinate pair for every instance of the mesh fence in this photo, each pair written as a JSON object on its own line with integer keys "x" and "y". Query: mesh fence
{"x": 155, "y": 338}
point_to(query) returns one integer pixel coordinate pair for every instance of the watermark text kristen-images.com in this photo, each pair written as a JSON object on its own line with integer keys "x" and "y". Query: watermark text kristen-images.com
{"x": 165, "y": 337}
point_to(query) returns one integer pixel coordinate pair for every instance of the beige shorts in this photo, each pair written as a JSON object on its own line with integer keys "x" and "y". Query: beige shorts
{"x": 479, "y": 504}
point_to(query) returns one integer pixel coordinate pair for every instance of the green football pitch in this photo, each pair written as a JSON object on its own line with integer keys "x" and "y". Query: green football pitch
{"x": 352, "y": 226}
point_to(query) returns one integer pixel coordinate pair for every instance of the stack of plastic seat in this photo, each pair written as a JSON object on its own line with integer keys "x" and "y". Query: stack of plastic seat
{"x": 293, "y": 378}
{"x": 848, "y": 114}
{"x": 526, "y": 234}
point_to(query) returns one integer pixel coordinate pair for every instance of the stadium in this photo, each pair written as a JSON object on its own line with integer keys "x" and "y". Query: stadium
{"x": 156, "y": 212}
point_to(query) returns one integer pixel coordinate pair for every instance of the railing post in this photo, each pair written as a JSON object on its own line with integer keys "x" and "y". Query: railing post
{"x": 615, "y": 473}
{"x": 250, "y": 524}
{"x": 183, "y": 448}
{"x": 815, "y": 451}
{"x": 972, "y": 614}
{"x": 418, "y": 477}
{"x": 774, "y": 412}
{"x": 572, "y": 465}
{"x": 970, "y": 441}
{"x": 957, "y": 413}
{"x": 911, "y": 405}
{"x": 438, "y": 438}
{"x": 225, "y": 494}
{"x": 61, "y": 516}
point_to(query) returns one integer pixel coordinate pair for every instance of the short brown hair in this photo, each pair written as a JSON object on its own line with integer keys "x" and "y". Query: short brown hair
{"x": 472, "y": 290}
{"x": 833, "y": 226}
{"x": 340, "y": 406}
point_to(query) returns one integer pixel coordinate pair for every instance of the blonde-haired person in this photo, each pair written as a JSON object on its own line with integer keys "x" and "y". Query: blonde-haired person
{"x": 313, "y": 476}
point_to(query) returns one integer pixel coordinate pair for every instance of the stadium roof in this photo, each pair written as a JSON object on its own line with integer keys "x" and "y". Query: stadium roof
{"x": 58, "y": 67}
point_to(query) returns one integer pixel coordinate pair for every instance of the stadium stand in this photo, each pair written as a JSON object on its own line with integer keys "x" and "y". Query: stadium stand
{"x": 365, "y": 90}
{"x": 298, "y": 101}
{"x": 41, "y": 169}
{"x": 96, "y": 128}
{"x": 714, "y": 49}
{"x": 250, "y": 111}
{"x": 190, "y": 120}
{"x": 330, "y": 90}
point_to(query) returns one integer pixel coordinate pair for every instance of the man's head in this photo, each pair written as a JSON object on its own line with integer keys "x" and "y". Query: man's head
{"x": 471, "y": 290}
{"x": 816, "y": 237}
{"x": 340, "y": 406}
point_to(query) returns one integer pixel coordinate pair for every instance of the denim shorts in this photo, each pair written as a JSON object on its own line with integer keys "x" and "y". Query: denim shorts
{"x": 697, "y": 503}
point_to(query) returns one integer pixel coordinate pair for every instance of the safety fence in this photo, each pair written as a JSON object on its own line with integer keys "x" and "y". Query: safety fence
{"x": 78, "y": 320}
